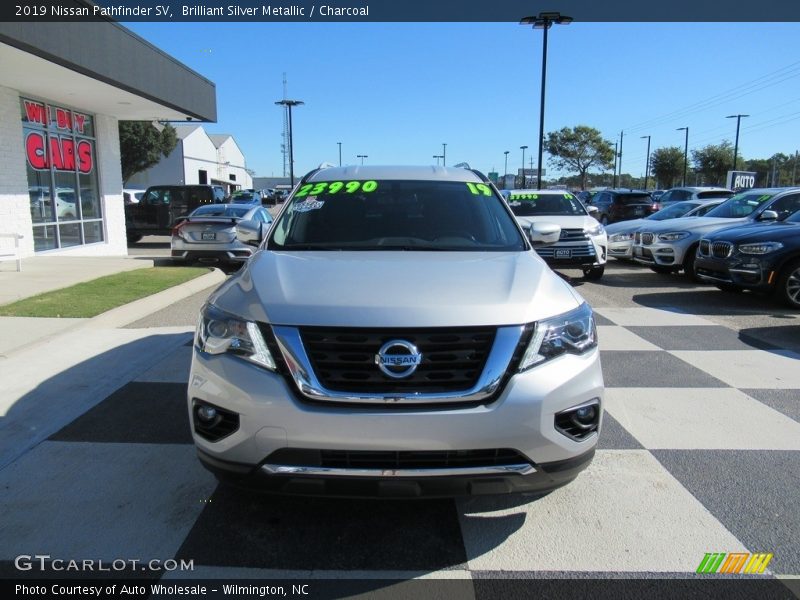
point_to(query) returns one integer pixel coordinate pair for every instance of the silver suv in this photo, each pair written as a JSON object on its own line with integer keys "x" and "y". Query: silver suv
{"x": 396, "y": 334}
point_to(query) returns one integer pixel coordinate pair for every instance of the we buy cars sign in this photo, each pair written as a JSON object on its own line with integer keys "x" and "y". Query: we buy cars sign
{"x": 63, "y": 153}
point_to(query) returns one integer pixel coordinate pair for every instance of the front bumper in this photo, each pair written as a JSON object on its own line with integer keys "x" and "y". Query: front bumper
{"x": 592, "y": 252}
{"x": 744, "y": 272}
{"x": 273, "y": 418}
{"x": 661, "y": 253}
{"x": 623, "y": 250}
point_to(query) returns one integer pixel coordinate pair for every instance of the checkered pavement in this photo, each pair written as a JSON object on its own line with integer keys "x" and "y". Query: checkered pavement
{"x": 700, "y": 452}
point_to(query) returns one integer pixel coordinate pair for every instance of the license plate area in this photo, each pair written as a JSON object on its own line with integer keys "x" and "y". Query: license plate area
{"x": 208, "y": 236}
{"x": 563, "y": 253}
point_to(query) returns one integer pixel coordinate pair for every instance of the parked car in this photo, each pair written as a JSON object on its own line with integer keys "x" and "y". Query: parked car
{"x": 622, "y": 205}
{"x": 395, "y": 334}
{"x": 759, "y": 256}
{"x": 582, "y": 242}
{"x": 672, "y": 245}
{"x": 246, "y": 197}
{"x": 656, "y": 195}
{"x": 162, "y": 205}
{"x": 208, "y": 234}
{"x": 132, "y": 196}
{"x": 620, "y": 235}
{"x": 42, "y": 208}
{"x": 680, "y": 194}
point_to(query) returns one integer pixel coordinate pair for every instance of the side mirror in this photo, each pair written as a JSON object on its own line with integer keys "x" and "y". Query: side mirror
{"x": 544, "y": 234}
{"x": 592, "y": 210}
{"x": 768, "y": 215}
{"x": 249, "y": 232}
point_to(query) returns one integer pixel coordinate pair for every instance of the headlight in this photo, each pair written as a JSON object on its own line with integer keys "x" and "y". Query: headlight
{"x": 571, "y": 333}
{"x": 760, "y": 248}
{"x": 621, "y": 237}
{"x": 595, "y": 230}
{"x": 219, "y": 332}
{"x": 673, "y": 236}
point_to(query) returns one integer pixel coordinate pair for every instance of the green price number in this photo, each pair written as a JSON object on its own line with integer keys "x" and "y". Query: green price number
{"x": 525, "y": 197}
{"x": 334, "y": 187}
{"x": 479, "y": 188}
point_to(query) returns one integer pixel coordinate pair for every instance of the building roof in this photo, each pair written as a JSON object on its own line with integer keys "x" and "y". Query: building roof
{"x": 219, "y": 138}
{"x": 184, "y": 131}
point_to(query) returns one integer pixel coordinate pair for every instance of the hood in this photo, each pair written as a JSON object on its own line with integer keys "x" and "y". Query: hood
{"x": 395, "y": 289}
{"x": 758, "y": 232}
{"x": 695, "y": 224}
{"x": 627, "y": 226}
{"x": 563, "y": 221}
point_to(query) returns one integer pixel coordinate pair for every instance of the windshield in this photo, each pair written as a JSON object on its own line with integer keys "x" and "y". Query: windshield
{"x": 740, "y": 205}
{"x": 527, "y": 204}
{"x": 673, "y": 211}
{"x": 396, "y": 215}
{"x": 220, "y": 210}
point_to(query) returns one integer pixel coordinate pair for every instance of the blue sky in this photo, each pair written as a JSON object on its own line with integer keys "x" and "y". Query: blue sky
{"x": 397, "y": 91}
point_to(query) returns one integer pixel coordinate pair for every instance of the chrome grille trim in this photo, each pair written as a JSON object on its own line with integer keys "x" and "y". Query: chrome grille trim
{"x": 721, "y": 249}
{"x": 521, "y": 469}
{"x": 647, "y": 238}
{"x": 298, "y": 363}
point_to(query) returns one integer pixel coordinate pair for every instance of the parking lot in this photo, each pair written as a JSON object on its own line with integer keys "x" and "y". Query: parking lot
{"x": 699, "y": 453}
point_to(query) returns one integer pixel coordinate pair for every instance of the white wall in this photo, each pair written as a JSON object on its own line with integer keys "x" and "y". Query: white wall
{"x": 15, "y": 207}
{"x": 229, "y": 152}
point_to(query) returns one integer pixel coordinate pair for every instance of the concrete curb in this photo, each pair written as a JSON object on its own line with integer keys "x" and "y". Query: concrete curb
{"x": 131, "y": 312}
{"x": 139, "y": 309}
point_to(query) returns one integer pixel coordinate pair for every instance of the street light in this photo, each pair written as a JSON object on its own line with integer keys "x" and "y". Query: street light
{"x": 523, "y": 148}
{"x": 647, "y": 165}
{"x": 685, "y": 152}
{"x": 340, "y": 153}
{"x": 289, "y": 104}
{"x": 736, "y": 146}
{"x": 505, "y": 168}
{"x": 614, "y": 180}
{"x": 444, "y": 154}
{"x": 362, "y": 157}
{"x": 543, "y": 21}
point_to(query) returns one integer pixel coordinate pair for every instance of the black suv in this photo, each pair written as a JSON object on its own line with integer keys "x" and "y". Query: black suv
{"x": 162, "y": 205}
{"x": 761, "y": 256}
{"x": 623, "y": 205}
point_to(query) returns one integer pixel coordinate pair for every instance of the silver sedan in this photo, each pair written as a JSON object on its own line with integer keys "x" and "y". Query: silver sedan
{"x": 208, "y": 234}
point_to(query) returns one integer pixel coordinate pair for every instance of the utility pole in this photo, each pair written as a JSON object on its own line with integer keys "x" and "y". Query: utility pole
{"x": 614, "y": 183}
{"x": 621, "y": 134}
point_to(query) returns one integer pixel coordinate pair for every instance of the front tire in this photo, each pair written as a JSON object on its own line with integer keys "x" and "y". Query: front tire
{"x": 788, "y": 288}
{"x": 594, "y": 273}
{"x": 688, "y": 264}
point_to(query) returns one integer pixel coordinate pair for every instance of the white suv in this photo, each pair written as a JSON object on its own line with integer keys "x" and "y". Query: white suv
{"x": 396, "y": 335}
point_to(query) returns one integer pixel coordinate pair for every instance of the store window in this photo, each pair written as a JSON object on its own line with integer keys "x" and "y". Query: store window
{"x": 62, "y": 176}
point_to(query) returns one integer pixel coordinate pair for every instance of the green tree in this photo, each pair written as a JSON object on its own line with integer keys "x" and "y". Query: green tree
{"x": 142, "y": 144}
{"x": 714, "y": 161}
{"x": 666, "y": 165}
{"x": 579, "y": 149}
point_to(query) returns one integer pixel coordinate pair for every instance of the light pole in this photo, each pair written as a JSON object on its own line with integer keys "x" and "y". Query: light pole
{"x": 614, "y": 180}
{"x": 543, "y": 21}
{"x": 362, "y": 157}
{"x": 621, "y": 135}
{"x": 444, "y": 154}
{"x": 523, "y": 165}
{"x": 505, "y": 168}
{"x": 736, "y": 145}
{"x": 685, "y": 152}
{"x": 647, "y": 164}
{"x": 340, "y": 153}
{"x": 289, "y": 104}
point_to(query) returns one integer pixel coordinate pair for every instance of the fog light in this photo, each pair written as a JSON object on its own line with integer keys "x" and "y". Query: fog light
{"x": 206, "y": 413}
{"x": 585, "y": 416}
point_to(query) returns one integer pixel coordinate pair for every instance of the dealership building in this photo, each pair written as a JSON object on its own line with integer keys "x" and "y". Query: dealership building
{"x": 63, "y": 89}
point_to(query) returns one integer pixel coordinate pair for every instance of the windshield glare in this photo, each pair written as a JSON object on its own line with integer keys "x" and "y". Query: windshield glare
{"x": 528, "y": 204}
{"x": 392, "y": 215}
{"x": 741, "y": 205}
{"x": 673, "y": 211}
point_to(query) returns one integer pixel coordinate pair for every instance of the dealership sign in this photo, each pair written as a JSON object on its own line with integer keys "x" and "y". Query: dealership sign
{"x": 61, "y": 151}
{"x": 741, "y": 180}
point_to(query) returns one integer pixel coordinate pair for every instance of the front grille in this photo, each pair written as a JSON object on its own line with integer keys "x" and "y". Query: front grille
{"x": 721, "y": 249}
{"x": 344, "y": 359}
{"x": 582, "y": 251}
{"x": 647, "y": 238}
{"x": 637, "y": 237}
{"x": 573, "y": 235}
{"x": 391, "y": 459}
{"x": 705, "y": 248}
